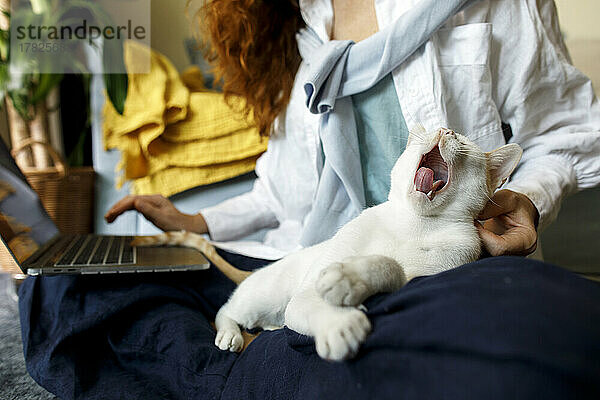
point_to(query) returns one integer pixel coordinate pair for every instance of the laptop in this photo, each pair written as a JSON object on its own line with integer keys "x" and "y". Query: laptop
{"x": 32, "y": 239}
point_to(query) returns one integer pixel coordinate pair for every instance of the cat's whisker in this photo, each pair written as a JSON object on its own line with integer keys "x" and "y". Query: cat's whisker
{"x": 419, "y": 130}
{"x": 475, "y": 137}
{"x": 419, "y": 126}
{"x": 416, "y": 135}
{"x": 492, "y": 201}
{"x": 422, "y": 130}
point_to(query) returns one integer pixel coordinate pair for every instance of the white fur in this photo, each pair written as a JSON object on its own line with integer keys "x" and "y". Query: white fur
{"x": 315, "y": 291}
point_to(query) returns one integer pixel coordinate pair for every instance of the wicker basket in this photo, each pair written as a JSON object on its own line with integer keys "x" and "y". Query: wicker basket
{"x": 66, "y": 193}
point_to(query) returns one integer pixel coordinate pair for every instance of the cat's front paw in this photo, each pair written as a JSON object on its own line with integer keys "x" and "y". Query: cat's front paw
{"x": 341, "y": 286}
{"x": 229, "y": 339}
{"x": 341, "y": 337}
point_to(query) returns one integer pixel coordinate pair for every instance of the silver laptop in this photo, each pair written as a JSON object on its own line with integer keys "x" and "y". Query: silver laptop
{"x": 34, "y": 242}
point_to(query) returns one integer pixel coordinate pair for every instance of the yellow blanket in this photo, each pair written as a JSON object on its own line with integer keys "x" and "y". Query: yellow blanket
{"x": 174, "y": 135}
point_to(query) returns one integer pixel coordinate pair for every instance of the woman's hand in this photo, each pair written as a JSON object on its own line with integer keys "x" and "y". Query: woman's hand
{"x": 160, "y": 211}
{"x": 509, "y": 224}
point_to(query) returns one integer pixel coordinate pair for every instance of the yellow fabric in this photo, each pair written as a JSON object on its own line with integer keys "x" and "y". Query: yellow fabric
{"x": 174, "y": 134}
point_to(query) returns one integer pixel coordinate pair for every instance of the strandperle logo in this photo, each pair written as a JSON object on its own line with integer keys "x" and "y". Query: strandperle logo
{"x": 82, "y": 31}
{"x": 78, "y": 36}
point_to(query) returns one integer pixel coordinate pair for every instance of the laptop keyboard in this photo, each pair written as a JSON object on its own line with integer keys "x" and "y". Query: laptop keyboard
{"x": 98, "y": 250}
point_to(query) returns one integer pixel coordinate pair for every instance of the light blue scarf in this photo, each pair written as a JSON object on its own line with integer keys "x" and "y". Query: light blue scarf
{"x": 339, "y": 69}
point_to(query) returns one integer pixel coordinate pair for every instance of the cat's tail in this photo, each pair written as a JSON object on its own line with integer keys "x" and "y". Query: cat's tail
{"x": 195, "y": 241}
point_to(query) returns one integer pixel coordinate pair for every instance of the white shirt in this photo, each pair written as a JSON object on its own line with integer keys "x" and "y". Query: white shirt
{"x": 497, "y": 61}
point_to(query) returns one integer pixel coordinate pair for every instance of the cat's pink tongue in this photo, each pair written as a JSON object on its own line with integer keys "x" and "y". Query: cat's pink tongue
{"x": 424, "y": 179}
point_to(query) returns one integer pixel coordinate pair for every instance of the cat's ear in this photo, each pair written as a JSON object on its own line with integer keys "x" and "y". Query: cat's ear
{"x": 502, "y": 162}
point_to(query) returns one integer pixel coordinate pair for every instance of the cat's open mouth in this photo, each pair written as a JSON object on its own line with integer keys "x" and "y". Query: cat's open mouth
{"x": 432, "y": 173}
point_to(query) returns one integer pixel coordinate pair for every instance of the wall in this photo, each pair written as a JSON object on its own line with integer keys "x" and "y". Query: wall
{"x": 579, "y": 23}
{"x": 579, "y": 18}
{"x": 170, "y": 27}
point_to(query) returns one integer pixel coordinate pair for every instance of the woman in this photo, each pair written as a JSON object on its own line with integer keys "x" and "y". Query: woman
{"x": 470, "y": 103}
{"x": 503, "y": 322}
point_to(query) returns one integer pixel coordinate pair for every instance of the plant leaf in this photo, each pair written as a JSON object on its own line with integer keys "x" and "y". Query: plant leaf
{"x": 116, "y": 83}
{"x": 116, "y": 87}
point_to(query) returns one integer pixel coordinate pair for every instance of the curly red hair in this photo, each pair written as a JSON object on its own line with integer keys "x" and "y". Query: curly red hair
{"x": 252, "y": 46}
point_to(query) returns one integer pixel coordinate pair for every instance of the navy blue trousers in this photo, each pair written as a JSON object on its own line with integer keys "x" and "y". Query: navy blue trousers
{"x": 499, "y": 328}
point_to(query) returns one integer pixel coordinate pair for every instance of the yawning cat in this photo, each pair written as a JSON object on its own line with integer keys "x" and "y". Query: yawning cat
{"x": 439, "y": 185}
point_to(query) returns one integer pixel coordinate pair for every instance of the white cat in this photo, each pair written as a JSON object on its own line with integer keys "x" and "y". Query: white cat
{"x": 438, "y": 187}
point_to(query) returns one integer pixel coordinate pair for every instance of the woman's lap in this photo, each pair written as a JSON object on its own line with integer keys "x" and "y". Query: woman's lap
{"x": 127, "y": 336}
{"x": 520, "y": 326}
{"x": 149, "y": 336}
{"x": 501, "y": 328}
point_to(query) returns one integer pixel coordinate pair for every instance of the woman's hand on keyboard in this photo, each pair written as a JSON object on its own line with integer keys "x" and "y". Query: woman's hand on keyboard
{"x": 160, "y": 211}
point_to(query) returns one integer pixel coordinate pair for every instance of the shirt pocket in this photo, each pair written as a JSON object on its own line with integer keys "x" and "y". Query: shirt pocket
{"x": 463, "y": 61}
{"x": 464, "y": 44}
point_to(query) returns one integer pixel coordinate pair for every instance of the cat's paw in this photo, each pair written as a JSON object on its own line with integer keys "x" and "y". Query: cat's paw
{"x": 341, "y": 337}
{"x": 341, "y": 286}
{"x": 229, "y": 339}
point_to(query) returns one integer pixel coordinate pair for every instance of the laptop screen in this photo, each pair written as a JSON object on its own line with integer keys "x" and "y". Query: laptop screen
{"x": 24, "y": 224}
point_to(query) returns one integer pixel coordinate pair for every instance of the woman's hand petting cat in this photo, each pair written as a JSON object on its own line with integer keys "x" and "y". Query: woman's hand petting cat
{"x": 160, "y": 211}
{"x": 509, "y": 224}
